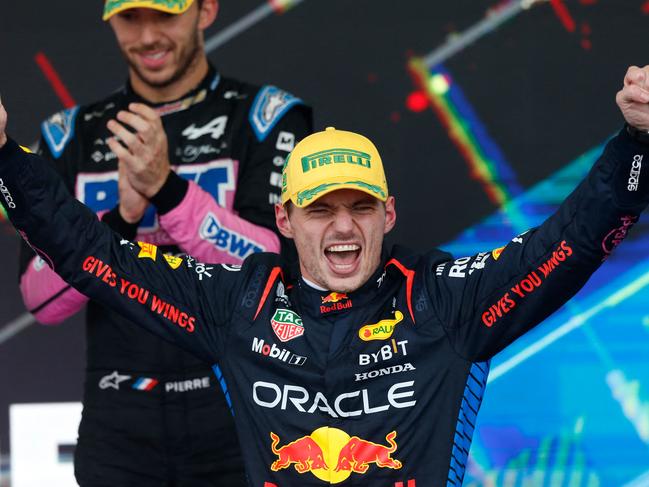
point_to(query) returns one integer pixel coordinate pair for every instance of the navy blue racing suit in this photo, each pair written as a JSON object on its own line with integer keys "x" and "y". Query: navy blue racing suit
{"x": 380, "y": 386}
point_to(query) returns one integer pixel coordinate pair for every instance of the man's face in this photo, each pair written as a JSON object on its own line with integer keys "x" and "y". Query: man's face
{"x": 158, "y": 47}
{"x": 339, "y": 237}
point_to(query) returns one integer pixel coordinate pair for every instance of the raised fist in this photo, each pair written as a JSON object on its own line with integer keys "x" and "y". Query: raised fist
{"x": 3, "y": 125}
{"x": 633, "y": 98}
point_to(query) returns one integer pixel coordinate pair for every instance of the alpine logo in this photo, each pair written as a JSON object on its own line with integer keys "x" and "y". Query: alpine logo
{"x": 287, "y": 324}
{"x": 273, "y": 351}
{"x": 216, "y": 128}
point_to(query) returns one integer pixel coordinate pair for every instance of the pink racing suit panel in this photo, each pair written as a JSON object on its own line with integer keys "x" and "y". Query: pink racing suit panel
{"x": 209, "y": 232}
{"x": 48, "y": 297}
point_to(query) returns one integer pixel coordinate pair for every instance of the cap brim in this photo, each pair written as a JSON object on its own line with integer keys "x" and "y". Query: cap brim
{"x": 307, "y": 196}
{"x": 108, "y": 12}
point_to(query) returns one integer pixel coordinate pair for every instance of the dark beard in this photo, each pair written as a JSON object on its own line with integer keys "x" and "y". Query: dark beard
{"x": 188, "y": 60}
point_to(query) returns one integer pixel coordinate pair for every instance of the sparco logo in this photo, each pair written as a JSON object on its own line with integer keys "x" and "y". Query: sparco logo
{"x": 273, "y": 351}
{"x": 250, "y": 298}
{"x": 7, "y": 195}
{"x": 634, "y": 175}
{"x": 348, "y": 404}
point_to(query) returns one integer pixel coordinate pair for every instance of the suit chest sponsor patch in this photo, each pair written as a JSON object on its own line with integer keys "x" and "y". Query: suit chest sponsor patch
{"x": 287, "y": 324}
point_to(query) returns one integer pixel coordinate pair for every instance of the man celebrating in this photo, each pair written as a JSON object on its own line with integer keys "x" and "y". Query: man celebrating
{"x": 361, "y": 367}
{"x": 227, "y": 141}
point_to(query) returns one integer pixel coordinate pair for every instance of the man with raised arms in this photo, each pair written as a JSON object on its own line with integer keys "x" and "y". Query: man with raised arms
{"x": 362, "y": 366}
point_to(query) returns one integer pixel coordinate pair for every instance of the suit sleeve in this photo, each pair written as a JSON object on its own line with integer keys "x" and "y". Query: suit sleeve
{"x": 206, "y": 230}
{"x": 48, "y": 297}
{"x": 181, "y": 300}
{"x": 486, "y": 301}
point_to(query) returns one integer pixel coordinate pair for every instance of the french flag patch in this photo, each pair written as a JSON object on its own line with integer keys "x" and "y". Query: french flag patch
{"x": 145, "y": 384}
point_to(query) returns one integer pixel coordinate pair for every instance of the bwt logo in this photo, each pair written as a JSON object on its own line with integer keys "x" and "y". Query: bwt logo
{"x": 336, "y": 156}
{"x": 99, "y": 192}
{"x": 226, "y": 239}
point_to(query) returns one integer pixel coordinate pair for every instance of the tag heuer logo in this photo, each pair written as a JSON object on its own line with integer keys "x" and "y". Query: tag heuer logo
{"x": 287, "y": 324}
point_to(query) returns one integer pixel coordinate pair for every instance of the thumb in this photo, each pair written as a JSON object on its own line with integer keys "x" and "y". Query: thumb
{"x": 3, "y": 117}
{"x": 3, "y": 124}
{"x": 121, "y": 168}
{"x": 643, "y": 78}
{"x": 640, "y": 78}
{"x": 122, "y": 174}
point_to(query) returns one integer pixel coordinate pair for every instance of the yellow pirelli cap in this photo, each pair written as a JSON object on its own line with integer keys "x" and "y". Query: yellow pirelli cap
{"x": 330, "y": 160}
{"x": 111, "y": 7}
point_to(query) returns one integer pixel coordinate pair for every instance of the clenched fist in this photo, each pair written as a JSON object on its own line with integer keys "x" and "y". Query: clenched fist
{"x": 3, "y": 125}
{"x": 633, "y": 98}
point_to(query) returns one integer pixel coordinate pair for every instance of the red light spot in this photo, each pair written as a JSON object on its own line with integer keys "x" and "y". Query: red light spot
{"x": 53, "y": 77}
{"x": 586, "y": 44}
{"x": 588, "y": 2}
{"x": 395, "y": 117}
{"x": 563, "y": 14}
{"x": 372, "y": 78}
{"x": 417, "y": 101}
{"x": 645, "y": 8}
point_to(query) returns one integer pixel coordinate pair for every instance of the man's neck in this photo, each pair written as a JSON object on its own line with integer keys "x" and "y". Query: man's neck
{"x": 156, "y": 94}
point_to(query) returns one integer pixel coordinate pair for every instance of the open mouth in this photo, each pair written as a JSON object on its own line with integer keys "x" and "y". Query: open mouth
{"x": 343, "y": 258}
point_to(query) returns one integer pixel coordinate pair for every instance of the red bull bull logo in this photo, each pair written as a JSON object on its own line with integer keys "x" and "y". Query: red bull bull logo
{"x": 357, "y": 454}
{"x": 334, "y": 297}
{"x": 334, "y": 302}
{"x": 304, "y": 453}
{"x": 332, "y": 455}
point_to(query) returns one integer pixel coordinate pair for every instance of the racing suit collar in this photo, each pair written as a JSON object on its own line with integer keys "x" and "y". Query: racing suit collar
{"x": 326, "y": 303}
{"x": 196, "y": 95}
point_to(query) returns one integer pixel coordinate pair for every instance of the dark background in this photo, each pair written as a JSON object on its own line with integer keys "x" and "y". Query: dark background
{"x": 545, "y": 95}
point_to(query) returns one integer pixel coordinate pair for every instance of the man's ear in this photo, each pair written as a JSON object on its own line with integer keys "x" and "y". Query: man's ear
{"x": 282, "y": 221}
{"x": 390, "y": 215}
{"x": 207, "y": 14}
